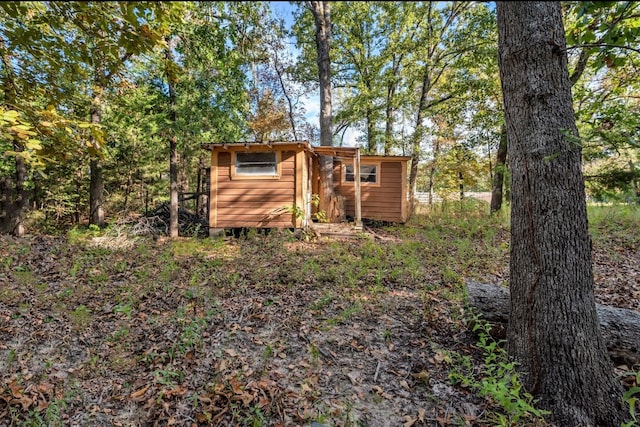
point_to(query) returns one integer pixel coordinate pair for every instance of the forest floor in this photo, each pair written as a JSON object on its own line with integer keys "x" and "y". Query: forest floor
{"x": 110, "y": 329}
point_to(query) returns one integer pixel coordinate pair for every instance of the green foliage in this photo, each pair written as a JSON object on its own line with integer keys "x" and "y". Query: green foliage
{"x": 498, "y": 381}
{"x": 630, "y": 398}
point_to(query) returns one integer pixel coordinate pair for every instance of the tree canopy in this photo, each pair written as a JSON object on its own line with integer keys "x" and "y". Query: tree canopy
{"x": 85, "y": 87}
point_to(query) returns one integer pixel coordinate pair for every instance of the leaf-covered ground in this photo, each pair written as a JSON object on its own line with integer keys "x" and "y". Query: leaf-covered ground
{"x": 259, "y": 329}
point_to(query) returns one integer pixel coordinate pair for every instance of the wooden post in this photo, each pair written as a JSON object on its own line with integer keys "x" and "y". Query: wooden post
{"x": 356, "y": 179}
{"x": 300, "y": 222}
{"x": 213, "y": 191}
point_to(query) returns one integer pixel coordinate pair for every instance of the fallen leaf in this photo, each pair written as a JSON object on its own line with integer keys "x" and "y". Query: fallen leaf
{"x": 409, "y": 421}
{"x": 136, "y": 395}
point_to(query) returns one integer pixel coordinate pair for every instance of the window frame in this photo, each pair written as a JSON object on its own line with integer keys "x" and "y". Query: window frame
{"x": 377, "y": 165}
{"x": 239, "y": 176}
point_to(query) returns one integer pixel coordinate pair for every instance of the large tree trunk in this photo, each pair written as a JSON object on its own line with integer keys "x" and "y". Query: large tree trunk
{"x": 322, "y": 18}
{"x": 498, "y": 176}
{"x": 620, "y": 327}
{"x": 553, "y": 330}
{"x": 96, "y": 184}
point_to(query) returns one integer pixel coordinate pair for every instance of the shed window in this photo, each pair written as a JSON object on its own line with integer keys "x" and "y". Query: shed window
{"x": 368, "y": 173}
{"x": 257, "y": 164}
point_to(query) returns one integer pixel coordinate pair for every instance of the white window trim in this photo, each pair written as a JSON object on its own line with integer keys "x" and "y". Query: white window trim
{"x": 343, "y": 179}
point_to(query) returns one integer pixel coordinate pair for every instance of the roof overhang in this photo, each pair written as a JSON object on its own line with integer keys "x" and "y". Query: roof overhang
{"x": 346, "y": 152}
{"x": 338, "y": 152}
{"x": 222, "y": 146}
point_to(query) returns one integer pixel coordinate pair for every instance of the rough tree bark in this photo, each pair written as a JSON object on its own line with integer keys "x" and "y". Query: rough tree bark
{"x": 553, "y": 330}
{"x": 498, "y": 175}
{"x": 322, "y": 18}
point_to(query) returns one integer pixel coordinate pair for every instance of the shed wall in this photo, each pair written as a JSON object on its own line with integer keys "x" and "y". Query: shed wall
{"x": 252, "y": 202}
{"x": 384, "y": 202}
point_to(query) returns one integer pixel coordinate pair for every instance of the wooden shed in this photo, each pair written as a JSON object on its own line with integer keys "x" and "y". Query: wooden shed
{"x": 270, "y": 185}
{"x": 383, "y": 183}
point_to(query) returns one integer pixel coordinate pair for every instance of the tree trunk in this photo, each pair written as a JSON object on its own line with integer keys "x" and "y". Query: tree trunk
{"x": 17, "y": 202}
{"x": 553, "y": 330}
{"x": 498, "y": 175}
{"x": 78, "y": 199}
{"x": 390, "y": 107}
{"x": 417, "y": 137}
{"x": 371, "y": 132}
{"x": 389, "y": 113}
{"x": 620, "y": 327}
{"x": 22, "y": 198}
{"x": 96, "y": 184}
{"x": 322, "y": 18}
{"x": 173, "y": 150}
{"x": 433, "y": 168}
{"x": 290, "y": 110}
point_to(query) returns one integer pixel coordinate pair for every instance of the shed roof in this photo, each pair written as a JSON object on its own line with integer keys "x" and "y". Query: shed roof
{"x": 251, "y": 144}
{"x": 343, "y": 152}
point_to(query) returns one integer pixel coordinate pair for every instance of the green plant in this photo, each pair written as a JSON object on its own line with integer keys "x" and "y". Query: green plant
{"x": 497, "y": 380}
{"x": 53, "y": 413}
{"x": 630, "y": 399}
{"x": 167, "y": 377}
{"x": 81, "y": 316}
{"x": 321, "y": 216}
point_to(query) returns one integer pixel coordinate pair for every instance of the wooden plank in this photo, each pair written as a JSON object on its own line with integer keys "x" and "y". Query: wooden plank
{"x": 403, "y": 193}
{"x": 254, "y": 224}
{"x": 255, "y": 197}
{"x": 255, "y": 184}
{"x": 213, "y": 190}
{"x": 299, "y": 187}
{"x": 253, "y": 207}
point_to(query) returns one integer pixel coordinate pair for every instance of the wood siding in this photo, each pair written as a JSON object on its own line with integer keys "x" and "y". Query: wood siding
{"x": 383, "y": 202}
{"x": 252, "y": 202}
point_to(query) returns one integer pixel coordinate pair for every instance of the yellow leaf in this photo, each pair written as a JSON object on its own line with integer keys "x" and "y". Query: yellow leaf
{"x": 33, "y": 144}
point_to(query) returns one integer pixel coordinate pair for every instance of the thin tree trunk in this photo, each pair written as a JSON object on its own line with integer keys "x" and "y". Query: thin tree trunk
{"x": 371, "y": 143}
{"x": 13, "y": 217}
{"x": 22, "y": 198}
{"x": 96, "y": 184}
{"x": 290, "y": 112}
{"x": 78, "y": 192}
{"x": 390, "y": 107}
{"x": 553, "y": 331}
{"x": 173, "y": 151}
{"x": 198, "y": 186}
{"x": 433, "y": 168}
{"x": 417, "y": 137}
{"x": 498, "y": 174}
{"x": 388, "y": 130}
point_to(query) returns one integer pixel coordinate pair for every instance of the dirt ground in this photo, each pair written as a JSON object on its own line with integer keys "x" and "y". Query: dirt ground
{"x": 119, "y": 339}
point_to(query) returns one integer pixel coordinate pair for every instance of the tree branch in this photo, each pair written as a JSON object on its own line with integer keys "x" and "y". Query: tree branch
{"x": 613, "y": 46}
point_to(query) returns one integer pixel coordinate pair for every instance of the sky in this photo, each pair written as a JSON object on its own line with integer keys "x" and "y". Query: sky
{"x": 311, "y": 102}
